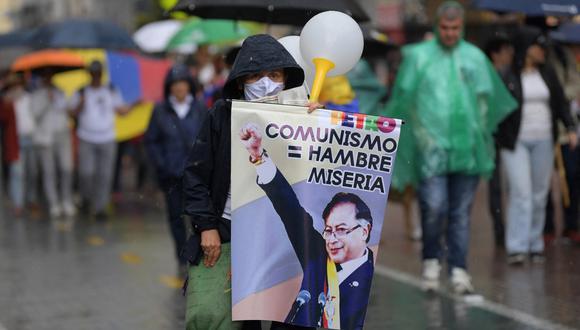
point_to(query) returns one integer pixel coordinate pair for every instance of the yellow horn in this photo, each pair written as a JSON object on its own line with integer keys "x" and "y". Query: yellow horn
{"x": 322, "y": 66}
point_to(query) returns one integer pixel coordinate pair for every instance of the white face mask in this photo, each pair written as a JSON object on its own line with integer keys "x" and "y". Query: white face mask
{"x": 261, "y": 88}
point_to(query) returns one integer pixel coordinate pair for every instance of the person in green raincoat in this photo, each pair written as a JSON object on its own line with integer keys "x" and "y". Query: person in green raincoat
{"x": 452, "y": 100}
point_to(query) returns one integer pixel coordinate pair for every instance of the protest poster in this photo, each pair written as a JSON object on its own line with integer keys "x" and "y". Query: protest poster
{"x": 309, "y": 193}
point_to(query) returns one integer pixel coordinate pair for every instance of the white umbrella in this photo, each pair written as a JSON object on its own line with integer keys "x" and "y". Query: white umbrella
{"x": 153, "y": 37}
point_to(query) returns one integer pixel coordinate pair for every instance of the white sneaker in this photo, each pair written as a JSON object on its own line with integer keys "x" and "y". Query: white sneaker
{"x": 69, "y": 209}
{"x": 431, "y": 270}
{"x": 461, "y": 282}
{"x": 55, "y": 212}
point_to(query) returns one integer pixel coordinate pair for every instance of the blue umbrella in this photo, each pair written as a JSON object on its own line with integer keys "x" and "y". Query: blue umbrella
{"x": 15, "y": 39}
{"x": 531, "y": 7}
{"x": 73, "y": 33}
{"x": 568, "y": 33}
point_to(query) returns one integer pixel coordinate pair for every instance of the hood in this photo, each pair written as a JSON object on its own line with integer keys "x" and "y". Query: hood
{"x": 525, "y": 37}
{"x": 259, "y": 53}
{"x": 176, "y": 73}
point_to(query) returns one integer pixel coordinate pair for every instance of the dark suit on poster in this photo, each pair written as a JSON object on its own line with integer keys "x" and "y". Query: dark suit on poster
{"x": 310, "y": 249}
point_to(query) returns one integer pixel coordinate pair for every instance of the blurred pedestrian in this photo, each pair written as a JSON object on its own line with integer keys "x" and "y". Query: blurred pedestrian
{"x": 172, "y": 131}
{"x": 451, "y": 99}
{"x": 501, "y": 53}
{"x": 561, "y": 58}
{"x": 263, "y": 68}
{"x": 10, "y": 153}
{"x": 52, "y": 141}
{"x": 528, "y": 137}
{"x": 95, "y": 107}
{"x": 24, "y": 171}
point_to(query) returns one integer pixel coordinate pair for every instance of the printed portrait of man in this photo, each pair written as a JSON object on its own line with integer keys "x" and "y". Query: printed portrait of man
{"x": 337, "y": 264}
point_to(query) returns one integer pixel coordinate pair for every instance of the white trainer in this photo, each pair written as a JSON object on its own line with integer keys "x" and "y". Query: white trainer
{"x": 461, "y": 282}
{"x": 55, "y": 212}
{"x": 431, "y": 270}
{"x": 69, "y": 210}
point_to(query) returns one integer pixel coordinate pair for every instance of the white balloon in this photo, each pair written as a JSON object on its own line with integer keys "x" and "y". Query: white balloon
{"x": 292, "y": 45}
{"x": 334, "y": 36}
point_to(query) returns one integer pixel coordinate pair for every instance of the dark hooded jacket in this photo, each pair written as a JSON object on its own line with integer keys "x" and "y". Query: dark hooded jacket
{"x": 508, "y": 130}
{"x": 168, "y": 137}
{"x": 207, "y": 174}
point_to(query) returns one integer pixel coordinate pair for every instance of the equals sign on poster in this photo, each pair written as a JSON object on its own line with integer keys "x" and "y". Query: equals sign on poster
{"x": 294, "y": 151}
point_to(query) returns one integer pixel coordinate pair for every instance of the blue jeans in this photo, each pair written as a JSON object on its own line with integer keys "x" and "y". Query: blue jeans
{"x": 23, "y": 175}
{"x": 529, "y": 170}
{"x": 447, "y": 197}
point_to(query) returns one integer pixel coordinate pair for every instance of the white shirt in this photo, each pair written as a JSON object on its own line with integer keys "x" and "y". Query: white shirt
{"x": 48, "y": 106}
{"x": 24, "y": 119}
{"x": 350, "y": 266}
{"x": 536, "y": 116}
{"x": 97, "y": 119}
{"x": 181, "y": 108}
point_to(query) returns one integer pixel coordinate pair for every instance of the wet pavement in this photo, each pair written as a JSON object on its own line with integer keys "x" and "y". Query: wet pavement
{"x": 543, "y": 295}
{"x": 121, "y": 275}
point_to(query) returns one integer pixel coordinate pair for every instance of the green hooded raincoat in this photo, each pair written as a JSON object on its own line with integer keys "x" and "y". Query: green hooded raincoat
{"x": 452, "y": 100}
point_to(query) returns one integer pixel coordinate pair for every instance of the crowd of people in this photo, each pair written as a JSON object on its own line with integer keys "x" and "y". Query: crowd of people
{"x": 500, "y": 113}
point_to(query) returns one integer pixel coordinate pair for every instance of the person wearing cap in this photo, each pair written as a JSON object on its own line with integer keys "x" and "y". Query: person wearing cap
{"x": 172, "y": 131}
{"x": 451, "y": 99}
{"x": 263, "y": 68}
{"x": 527, "y": 140}
{"x": 95, "y": 107}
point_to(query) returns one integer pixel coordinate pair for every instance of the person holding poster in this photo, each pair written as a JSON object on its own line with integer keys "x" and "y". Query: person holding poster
{"x": 452, "y": 99}
{"x": 263, "y": 68}
{"x": 337, "y": 264}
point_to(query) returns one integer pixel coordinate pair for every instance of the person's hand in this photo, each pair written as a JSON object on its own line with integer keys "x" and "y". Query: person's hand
{"x": 252, "y": 140}
{"x": 211, "y": 246}
{"x": 123, "y": 110}
{"x": 573, "y": 140}
{"x": 313, "y": 106}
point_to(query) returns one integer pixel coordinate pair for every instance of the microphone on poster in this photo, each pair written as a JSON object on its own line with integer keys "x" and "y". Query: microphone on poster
{"x": 302, "y": 298}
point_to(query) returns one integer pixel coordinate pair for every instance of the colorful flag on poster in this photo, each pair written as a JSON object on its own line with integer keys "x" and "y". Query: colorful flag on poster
{"x": 309, "y": 193}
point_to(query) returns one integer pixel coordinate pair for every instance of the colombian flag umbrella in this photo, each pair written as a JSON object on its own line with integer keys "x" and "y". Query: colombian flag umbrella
{"x": 139, "y": 79}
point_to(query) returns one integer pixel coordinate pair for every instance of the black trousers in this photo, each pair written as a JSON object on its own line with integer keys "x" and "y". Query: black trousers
{"x": 495, "y": 202}
{"x": 173, "y": 189}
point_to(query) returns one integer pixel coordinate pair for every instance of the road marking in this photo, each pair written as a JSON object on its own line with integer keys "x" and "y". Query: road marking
{"x": 95, "y": 240}
{"x": 172, "y": 281}
{"x": 484, "y": 304}
{"x": 131, "y": 258}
